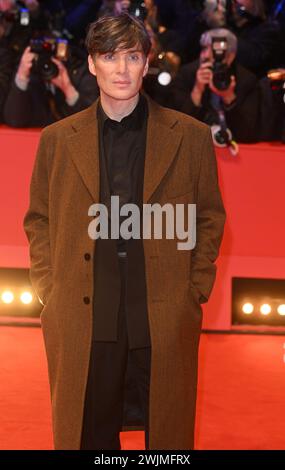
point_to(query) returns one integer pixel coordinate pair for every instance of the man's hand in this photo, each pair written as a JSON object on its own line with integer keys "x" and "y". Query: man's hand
{"x": 6, "y": 5}
{"x": 204, "y": 76}
{"x": 228, "y": 95}
{"x": 24, "y": 69}
{"x": 63, "y": 82}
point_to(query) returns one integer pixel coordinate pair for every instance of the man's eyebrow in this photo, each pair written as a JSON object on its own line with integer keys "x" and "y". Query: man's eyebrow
{"x": 128, "y": 51}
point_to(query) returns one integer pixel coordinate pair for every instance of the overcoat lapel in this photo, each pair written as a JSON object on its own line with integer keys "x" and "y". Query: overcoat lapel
{"x": 161, "y": 132}
{"x": 83, "y": 147}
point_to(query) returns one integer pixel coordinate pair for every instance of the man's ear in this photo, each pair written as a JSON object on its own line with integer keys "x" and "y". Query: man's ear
{"x": 146, "y": 67}
{"x": 91, "y": 65}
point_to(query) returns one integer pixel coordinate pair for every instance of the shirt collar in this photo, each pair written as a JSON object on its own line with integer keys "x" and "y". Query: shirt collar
{"x": 132, "y": 120}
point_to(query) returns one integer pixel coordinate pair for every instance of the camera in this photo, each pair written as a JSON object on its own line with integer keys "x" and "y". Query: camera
{"x": 221, "y": 72}
{"x": 46, "y": 48}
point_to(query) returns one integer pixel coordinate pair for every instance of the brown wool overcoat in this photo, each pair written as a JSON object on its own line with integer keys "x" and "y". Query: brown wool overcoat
{"x": 180, "y": 167}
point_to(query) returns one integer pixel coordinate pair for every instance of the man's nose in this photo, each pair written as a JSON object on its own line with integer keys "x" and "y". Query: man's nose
{"x": 122, "y": 65}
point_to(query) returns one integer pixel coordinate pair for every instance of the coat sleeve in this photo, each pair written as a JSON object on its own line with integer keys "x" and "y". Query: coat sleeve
{"x": 18, "y": 110}
{"x": 88, "y": 92}
{"x": 210, "y": 220}
{"x": 180, "y": 92}
{"x": 36, "y": 222}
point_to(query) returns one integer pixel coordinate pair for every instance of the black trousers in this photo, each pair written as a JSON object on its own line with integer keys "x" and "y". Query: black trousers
{"x": 104, "y": 400}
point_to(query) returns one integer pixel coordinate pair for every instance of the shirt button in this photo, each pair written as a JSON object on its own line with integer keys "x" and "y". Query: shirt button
{"x": 87, "y": 256}
{"x": 86, "y": 300}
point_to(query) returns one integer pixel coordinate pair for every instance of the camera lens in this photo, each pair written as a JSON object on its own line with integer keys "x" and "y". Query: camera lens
{"x": 46, "y": 68}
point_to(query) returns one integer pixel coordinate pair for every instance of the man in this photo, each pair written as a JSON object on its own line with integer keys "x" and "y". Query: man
{"x": 195, "y": 91}
{"x": 34, "y": 101}
{"x": 146, "y": 294}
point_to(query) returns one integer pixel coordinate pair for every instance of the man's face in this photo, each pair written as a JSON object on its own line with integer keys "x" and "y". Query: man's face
{"x": 121, "y": 5}
{"x": 120, "y": 73}
{"x": 206, "y": 54}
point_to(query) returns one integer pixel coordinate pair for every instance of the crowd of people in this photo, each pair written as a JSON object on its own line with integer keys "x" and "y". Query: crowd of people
{"x": 221, "y": 61}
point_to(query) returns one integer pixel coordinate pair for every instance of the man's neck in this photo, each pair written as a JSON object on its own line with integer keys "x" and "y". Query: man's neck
{"x": 118, "y": 109}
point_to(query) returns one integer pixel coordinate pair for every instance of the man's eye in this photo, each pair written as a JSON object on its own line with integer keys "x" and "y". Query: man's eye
{"x": 109, "y": 56}
{"x": 134, "y": 57}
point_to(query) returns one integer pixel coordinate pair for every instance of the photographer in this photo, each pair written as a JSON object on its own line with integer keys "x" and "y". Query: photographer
{"x": 196, "y": 90}
{"x": 35, "y": 102}
{"x": 259, "y": 40}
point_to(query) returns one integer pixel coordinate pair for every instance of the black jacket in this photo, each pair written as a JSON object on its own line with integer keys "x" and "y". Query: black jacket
{"x": 6, "y": 71}
{"x": 36, "y": 107}
{"x": 259, "y": 46}
{"x": 272, "y": 112}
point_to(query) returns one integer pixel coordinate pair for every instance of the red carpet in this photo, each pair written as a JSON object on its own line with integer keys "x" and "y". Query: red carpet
{"x": 240, "y": 397}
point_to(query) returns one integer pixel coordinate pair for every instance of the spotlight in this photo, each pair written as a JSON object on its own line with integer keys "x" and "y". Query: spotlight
{"x": 164, "y": 78}
{"x": 17, "y": 298}
{"x": 164, "y": 67}
{"x": 265, "y": 309}
{"x": 247, "y": 308}
{"x": 26, "y": 297}
{"x": 7, "y": 297}
{"x": 258, "y": 301}
{"x": 281, "y": 309}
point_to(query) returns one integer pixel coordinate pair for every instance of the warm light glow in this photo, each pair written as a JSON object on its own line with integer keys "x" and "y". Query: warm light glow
{"x": 26, "y": 297}
{"x": 164, "y": 78}
{"x": 247, "y": 308}
{"x": 7, "y": 297}
{"x": 265, "y": 309}
{"x": 281, "y": 309}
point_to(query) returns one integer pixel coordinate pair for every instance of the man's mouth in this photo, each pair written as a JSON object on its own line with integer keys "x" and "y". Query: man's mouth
{"x": 122, "y": 83}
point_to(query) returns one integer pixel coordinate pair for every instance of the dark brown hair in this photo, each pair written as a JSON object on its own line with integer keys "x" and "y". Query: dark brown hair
{"x": 110, "y": 33}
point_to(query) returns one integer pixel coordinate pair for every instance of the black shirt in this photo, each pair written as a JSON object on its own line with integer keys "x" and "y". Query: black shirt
{"x": 121, "y": 158}
{"x": 122, "y": 145}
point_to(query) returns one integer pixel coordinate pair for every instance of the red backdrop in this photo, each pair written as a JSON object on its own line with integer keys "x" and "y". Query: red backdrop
{"x": 253, "y": 187}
